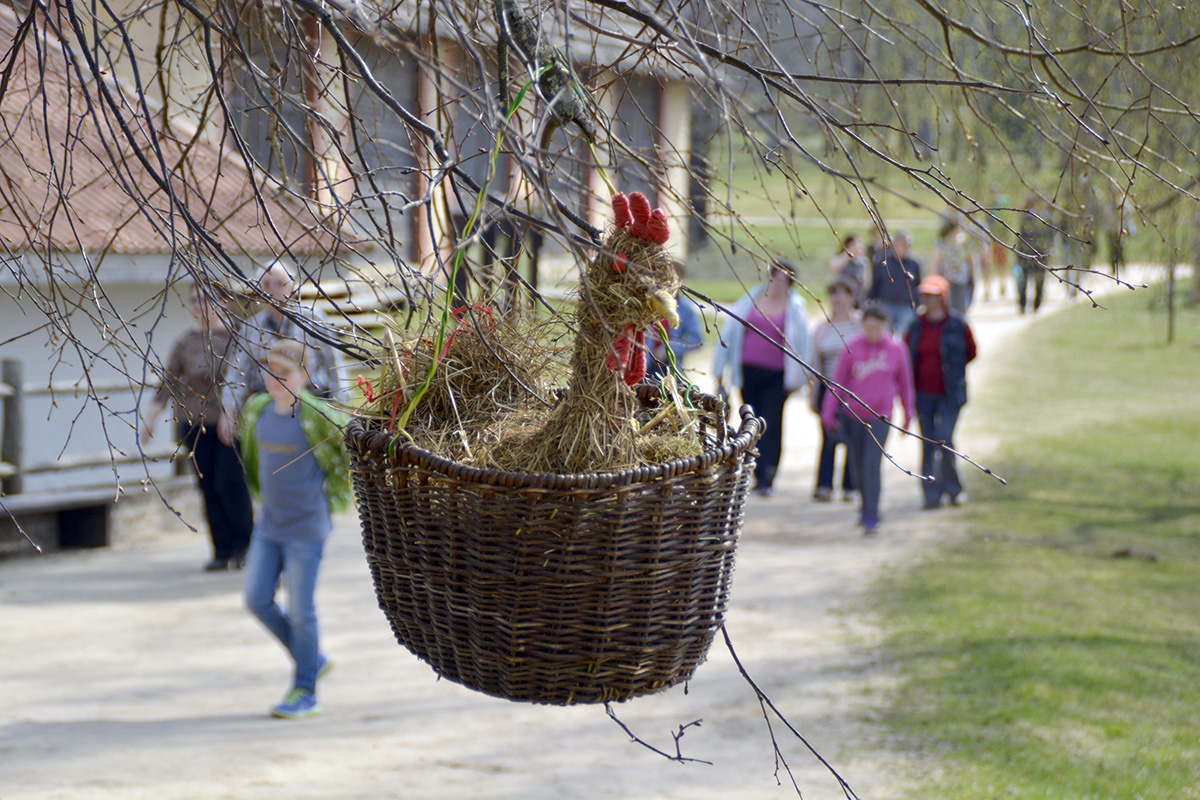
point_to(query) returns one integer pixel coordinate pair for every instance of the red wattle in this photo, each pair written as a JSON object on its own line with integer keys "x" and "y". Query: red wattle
{"x": 615, "y": 360}
{"x": 637, "y": 368}
{"x": 618, "y": 357}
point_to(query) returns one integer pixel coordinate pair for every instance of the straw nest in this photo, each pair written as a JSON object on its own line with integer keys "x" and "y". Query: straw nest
{"x": 491, "y": 401}
{"x": 490, "y": 378}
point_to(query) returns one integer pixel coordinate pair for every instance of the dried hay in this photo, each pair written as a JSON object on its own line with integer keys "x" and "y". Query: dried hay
{"x": 487, "y": 404}
{"x": 630, "y": 285}
{"x": 630, "y": 281}
{"x": 490, "y": 378}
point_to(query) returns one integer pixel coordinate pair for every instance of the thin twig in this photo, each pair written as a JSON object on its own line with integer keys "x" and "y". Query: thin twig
{"x": 676, "y": 735}
{"x": 768, "y": 704}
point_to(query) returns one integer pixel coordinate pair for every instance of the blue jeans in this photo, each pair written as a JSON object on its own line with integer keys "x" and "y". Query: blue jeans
{"x": 961, "y": 295}
{"x": 298, "y": 564}
{"x": 937, "y": 415}
{"x": 900, "y": 315}
{"x": 864, "y": 446}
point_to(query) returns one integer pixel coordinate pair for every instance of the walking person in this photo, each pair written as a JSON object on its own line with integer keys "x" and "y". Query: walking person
{"x": 995, "y": 266}
{"x": 852, "y": 264}
{"x": 1119, "y": 225}
{"x": 752, "y": 358}
{"x": 993, "y": 236}
{"x": 871, "y": 376}
{"x": 829, "y": 339}
{"x": 877, "y": 247}
{"x": 297, "y": 466}
{"x": 941, "y": 345}
{"x": 1034, "y": 244}
{"x": 953, "y": 260}
{"x": 894, "y": 279}
{"x": 278, "y": 322}
{"x": 1077, "y": 252}
{"x": 1077, "y": 236}
{"x": 192, "y": 379}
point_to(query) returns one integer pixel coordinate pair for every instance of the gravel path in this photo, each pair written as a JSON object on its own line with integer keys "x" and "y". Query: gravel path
{"x": 128, "y": 673}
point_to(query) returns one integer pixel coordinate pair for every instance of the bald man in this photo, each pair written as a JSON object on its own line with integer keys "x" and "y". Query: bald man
{"x": 242, "y": 375}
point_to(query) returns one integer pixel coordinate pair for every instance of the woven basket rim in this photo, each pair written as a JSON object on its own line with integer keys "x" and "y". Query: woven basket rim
{"x": 379, "y": 442}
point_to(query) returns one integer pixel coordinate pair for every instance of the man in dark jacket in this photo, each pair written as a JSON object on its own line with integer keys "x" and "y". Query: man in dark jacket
{"x": 894, "y": 279}
{"x": 941, "y": 345}
{"x": 1036, "y": 240}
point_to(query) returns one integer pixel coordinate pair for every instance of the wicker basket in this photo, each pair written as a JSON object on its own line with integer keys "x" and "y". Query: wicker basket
{"x": 553, "y": 588}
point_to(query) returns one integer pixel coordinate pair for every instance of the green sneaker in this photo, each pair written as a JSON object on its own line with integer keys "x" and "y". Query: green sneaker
{"x": 324, "y": 666}
{"x": 299, "y": 704}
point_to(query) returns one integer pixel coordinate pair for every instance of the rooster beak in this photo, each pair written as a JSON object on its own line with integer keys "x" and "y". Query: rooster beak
{"x": 664, "y": 303}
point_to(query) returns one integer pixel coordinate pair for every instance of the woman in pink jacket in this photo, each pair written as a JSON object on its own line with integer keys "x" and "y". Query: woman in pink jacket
{"x": 872, "y": 374}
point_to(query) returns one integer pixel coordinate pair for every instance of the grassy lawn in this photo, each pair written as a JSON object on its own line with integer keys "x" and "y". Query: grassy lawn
{"x": 1037, "y": 662}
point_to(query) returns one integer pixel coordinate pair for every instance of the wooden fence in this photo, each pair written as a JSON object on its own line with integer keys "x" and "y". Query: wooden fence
{"x": 14, "y": 464}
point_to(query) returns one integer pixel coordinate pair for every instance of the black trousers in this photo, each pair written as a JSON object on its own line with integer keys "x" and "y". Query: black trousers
{"x": 1026, "y": 270}
{"x": 762, "y": 390}
{"x": 222, "y": 481}
{"x": 829, "y": 443}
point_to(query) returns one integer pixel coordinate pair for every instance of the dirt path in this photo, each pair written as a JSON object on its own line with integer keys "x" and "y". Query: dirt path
{"x": 128, "y": 673}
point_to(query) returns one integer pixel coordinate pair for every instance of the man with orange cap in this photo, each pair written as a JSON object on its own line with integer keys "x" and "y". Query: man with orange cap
{"x": 941, "y": 345}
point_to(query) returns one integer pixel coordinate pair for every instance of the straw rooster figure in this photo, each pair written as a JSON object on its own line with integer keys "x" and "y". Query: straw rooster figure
{"x": 628, "y": 287}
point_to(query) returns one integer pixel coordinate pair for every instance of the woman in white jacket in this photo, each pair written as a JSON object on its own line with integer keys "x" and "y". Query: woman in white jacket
{"x": 759, "y": 352}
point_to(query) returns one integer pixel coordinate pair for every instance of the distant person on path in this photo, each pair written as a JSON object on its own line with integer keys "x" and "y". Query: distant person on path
{"x": 995, "y": 235}
{"x": 242, "y": 377}
{"x": 1034, "y": 244}
{"x": 941, "y": 345}
{"x": 871, "y": 376}
{"x": 193, "y": 379}
{"x": 979, "y": 247}
{"x": 297, "y": 466}
{"x": 829, "y": 339}
{"x": 875, "y": 250}
{"x": 1077, "y": 234}
{"x": 1118, "y": 227}
{"x": 687, "y": 338}
{"x": 1077, "y": 255}
{"x": 995, "y": 266}
{"x": 954, "y": 261}
{"x": 852, "y": 264}
{"x": 751, "y": 357}
{"x": 894, "y": 279}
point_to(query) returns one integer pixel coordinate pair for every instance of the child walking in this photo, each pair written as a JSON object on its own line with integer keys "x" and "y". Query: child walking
{"x": 297, "y": 466}
{"x": 872, "y": 373}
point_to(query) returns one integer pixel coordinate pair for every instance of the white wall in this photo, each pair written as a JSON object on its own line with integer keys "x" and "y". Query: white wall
{"x": 67, "y": 332}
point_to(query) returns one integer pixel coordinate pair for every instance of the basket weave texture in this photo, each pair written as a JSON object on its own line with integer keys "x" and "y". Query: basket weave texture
{"x": 554, "y": 588}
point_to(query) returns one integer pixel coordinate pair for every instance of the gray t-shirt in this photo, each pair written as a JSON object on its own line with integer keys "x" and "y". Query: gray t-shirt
{"x": 294, "y": 506}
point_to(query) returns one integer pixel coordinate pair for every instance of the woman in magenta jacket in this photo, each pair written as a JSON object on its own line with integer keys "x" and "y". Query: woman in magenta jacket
{"x": 872, "y": 374}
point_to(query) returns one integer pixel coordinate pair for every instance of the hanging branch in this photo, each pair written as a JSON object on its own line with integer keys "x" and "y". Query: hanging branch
{"x": 768, "y": 705}
{"x": 677, "y": 736}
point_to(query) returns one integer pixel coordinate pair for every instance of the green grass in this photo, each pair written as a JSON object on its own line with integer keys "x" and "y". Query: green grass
{"x": 1034, "y": 662}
